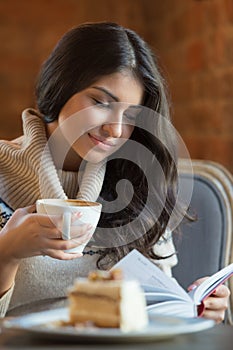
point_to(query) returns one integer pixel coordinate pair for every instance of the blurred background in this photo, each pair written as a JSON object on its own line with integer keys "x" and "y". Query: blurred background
{"x": 193, "y": 40}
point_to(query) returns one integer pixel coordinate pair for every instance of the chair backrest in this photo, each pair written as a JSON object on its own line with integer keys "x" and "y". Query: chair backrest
{"x": 205, "y": 246}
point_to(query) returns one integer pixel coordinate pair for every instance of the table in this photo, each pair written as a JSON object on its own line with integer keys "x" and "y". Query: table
{"x": 220, "y": 337}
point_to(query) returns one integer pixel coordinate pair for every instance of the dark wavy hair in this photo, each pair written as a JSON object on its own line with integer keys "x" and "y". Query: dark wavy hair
{"x": 82, "y": 56}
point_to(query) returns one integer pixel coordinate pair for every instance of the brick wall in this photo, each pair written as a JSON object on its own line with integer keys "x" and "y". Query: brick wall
{"x": 192, "y": 38}
{"x": 28, "y": 32}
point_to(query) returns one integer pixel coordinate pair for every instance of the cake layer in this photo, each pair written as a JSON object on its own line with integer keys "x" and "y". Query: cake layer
{"x": 109, "y": 289}
{"x": 112, "y": 303}
{"x": 102, "y": 312}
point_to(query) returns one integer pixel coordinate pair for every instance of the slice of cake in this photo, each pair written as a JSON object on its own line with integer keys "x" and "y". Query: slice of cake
{"x": 105, "y": 299}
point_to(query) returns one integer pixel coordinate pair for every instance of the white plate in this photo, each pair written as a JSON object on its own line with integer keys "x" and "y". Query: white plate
{"x": 160, "y": 327}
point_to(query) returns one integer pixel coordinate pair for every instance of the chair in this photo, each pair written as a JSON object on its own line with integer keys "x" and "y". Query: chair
{"x": 206, "y": 245}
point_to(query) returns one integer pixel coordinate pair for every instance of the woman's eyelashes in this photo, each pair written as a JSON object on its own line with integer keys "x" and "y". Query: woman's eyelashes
{"x": 130, "y": 114}
{"x": 130, "y": 117}
{"x": 100, "y": 103}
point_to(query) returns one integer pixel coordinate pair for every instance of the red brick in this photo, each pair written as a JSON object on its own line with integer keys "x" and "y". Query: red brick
{"x": 215, "y": 149}
{"x": 225, "y": 82}
{"x": 229, "y": 9}
{"x": 199, "y": 119}
{"x": 194, "y": 19}
{"x": 195, "y": 56}
{"x": 213, "y": 13}
{"x": 182, "y": 89}
{"x": 193, "y": 40}
{"x": 217, "y": 47}
{"x": 226, "y": 115}
{"x": 229, "y": 47}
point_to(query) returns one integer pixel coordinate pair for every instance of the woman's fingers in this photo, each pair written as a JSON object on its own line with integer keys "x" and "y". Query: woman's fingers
{"x": 42, "y": 234}
{"x": 77, "y": 231}
{"x": 48, "y": 220}
{"x": 216, "y": 304}
{"x": 60, "y": 244}
{"x": 218, "y": 317}
{"x": 61, "y": 255}
{"x": 55, "y": 222}
{"x": 79, "y": 234}
{"x": 51, "y": 233}
{"x": 222, "y": 292}
{"x": 26, "y": 210}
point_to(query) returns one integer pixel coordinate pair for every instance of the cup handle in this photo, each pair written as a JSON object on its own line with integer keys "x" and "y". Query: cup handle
{"x": 66, "y": 225}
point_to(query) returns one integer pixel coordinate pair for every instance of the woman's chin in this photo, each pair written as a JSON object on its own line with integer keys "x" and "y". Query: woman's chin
{"x": 95, "y": 158}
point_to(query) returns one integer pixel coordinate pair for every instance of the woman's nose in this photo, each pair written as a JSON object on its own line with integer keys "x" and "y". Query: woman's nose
{"x": 113, "y": 129}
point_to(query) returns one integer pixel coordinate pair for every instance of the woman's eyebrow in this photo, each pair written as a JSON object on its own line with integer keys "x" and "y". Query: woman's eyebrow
{"x": 106, "y": 92}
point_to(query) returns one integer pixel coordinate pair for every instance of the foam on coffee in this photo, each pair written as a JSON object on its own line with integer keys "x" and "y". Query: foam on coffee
{"x": 80, "y": 203}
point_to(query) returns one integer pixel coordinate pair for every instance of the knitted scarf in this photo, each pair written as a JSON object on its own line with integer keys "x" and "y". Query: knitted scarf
{"x": 26, "y": 176}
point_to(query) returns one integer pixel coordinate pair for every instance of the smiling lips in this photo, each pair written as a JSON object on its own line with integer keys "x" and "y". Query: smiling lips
{"x": 98, "y": 140}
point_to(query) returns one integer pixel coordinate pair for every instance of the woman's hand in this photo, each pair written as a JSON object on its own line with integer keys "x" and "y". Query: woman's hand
{"x": 216, "y": 304}
{"x": 29, "y": 234}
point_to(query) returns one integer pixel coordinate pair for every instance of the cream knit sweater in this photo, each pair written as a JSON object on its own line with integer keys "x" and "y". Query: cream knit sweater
{"x": 42, "y": 282}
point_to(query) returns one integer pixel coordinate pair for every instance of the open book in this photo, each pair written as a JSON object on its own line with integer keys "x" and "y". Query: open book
{"x": 163, "y": 294}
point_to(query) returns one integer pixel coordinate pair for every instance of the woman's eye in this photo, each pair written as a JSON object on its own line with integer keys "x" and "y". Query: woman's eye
{"x": 130, "y": 117}
{"x": 101, "y": 103}
{"x": 132, "y": 113}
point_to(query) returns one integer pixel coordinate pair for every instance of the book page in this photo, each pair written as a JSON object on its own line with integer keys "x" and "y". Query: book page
{"x": 136, "y": 266}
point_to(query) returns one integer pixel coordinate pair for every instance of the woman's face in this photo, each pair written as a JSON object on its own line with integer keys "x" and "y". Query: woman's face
{"x": 99, "y": 119}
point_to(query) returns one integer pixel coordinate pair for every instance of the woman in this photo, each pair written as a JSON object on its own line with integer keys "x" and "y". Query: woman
{"x": 99, "y": 95}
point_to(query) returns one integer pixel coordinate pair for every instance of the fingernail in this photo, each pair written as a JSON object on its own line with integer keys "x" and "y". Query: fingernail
{"x": 78, "y": 214}
{"x": 192, "y": 287}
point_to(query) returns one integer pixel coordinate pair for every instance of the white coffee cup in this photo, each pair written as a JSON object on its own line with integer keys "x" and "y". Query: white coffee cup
{"x": 90, "y": 214}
